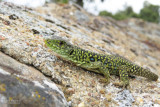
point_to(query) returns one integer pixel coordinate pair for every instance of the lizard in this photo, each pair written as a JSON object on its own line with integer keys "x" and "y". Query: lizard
{"x": 103, "y": 64}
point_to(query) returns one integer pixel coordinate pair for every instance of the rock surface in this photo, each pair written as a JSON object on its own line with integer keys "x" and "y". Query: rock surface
{"x": 21, "y": 36}
{"x": 23, "y": 86}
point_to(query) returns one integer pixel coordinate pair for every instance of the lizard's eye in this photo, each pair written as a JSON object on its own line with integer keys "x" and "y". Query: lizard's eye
{"x": 61, "y": 43}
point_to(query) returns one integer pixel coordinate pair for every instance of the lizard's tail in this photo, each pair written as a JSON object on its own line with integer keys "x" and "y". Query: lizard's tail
{"x": 139, "y": 71}
{"x": 148, "y": 74}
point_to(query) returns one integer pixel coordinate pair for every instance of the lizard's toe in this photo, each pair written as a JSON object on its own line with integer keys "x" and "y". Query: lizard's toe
{"x": 104, "y": 80}
{"x": 124, "y": 85}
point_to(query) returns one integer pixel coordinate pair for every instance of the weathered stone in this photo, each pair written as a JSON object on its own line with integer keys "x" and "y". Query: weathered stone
{"x": 23, "y": 86}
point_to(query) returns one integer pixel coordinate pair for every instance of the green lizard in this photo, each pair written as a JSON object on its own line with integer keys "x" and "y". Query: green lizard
{"x": 103, "y": 64}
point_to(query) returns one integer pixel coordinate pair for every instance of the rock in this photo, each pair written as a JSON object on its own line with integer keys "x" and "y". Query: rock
{"x": 24, "y": 86}
{"x": 125, "y": 98}
{"x": 81, "y": 17}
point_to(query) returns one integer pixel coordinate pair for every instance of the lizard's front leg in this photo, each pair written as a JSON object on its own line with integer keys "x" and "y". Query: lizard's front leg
{"x": 104, "y": 70}
{"x": 123, "y": 73}
{"x": 98, "y": 67}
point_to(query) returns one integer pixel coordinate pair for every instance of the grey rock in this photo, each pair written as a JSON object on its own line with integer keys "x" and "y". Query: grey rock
{"x": 81, "y": 17}
{"x": 24, "y": 86}
{"x": 125, "y": 98}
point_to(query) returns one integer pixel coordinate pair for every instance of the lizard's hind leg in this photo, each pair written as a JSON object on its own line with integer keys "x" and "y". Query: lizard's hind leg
{"x": 124, "y": 80}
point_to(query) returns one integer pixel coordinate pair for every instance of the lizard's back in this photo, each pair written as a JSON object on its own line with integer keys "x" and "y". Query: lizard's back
{"x": 112, "y": 62}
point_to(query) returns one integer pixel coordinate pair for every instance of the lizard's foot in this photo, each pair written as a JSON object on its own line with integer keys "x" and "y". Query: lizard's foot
{"x": 104, "y": 80}
{"x": 123, "y": 73}
{"x": 124, "y": 85}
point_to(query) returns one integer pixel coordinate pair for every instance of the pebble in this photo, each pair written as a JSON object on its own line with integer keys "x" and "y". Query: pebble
{"x": 70, "y": 91}
{"x": 81, "y": 104}
{"x": 108, "y": 97}
{"x": 157, "y": 101}
{"x": 140, "y": 100}
{"x": 102, "y": 91}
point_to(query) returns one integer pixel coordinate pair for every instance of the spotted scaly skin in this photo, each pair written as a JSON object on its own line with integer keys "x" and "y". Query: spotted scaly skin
{"x": 103, "y": 64}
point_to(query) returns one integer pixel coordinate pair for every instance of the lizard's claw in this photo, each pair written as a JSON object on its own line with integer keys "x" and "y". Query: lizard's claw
{"x": 122, "y": 84}
{"x": 111, "y": 78}
{"x": 104, "y": 80}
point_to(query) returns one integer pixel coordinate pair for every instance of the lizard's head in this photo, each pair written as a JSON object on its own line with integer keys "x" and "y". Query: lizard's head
{"x": 59, "y": 46}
